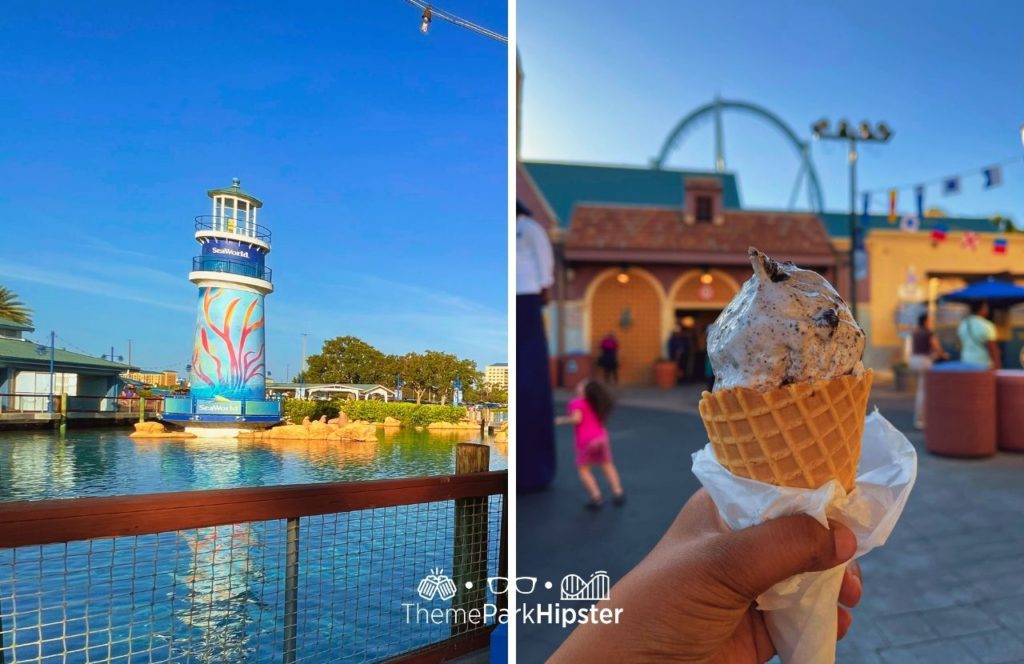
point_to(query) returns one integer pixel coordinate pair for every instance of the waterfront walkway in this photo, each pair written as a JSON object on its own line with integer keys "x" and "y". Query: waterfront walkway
{"x": 948, "y": 586}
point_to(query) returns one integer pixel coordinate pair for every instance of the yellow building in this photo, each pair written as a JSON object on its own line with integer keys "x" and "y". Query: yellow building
{"x": 166, "y": 378}
{"x": 907, "y": 268}
{"x": 497, "y": 375}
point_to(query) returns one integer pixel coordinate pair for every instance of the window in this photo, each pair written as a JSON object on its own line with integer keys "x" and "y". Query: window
{"x": 704, "y": 215}
{"x": 28, "y": 383}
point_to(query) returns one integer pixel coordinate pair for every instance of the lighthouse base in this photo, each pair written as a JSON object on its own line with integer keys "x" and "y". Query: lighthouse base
{"x": 220, "y": 418}
{"x": 219, "y": 430}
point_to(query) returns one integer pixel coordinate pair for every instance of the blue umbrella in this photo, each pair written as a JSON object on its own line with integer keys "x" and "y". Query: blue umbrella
{"x": 992, "y": 290}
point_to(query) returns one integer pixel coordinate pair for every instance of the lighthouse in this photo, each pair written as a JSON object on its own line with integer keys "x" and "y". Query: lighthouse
{"x": 227, "y": 371}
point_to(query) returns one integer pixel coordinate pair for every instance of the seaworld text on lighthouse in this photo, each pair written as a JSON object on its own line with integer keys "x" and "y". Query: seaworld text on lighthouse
{"x": 227, "y": 372}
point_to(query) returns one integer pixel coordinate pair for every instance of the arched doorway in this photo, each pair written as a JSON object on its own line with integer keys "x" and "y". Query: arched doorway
{"x": 631, "y": 307}
{"x": 694, "y": 301}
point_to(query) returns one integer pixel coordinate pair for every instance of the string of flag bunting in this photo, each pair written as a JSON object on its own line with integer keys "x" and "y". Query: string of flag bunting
{"x": 991, "y": 176}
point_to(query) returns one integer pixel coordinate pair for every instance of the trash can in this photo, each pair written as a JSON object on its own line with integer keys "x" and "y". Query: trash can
{"x": 1013, "y": 348}
{"x": 575, "y": 369}
{"x": 1010, "y": 409}
{"x": 960, "y": 410}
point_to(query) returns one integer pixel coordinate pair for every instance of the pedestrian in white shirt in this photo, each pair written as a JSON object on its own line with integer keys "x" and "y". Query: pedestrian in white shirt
{"x": 978, "y": 338}
{"x": 535, "y": 260}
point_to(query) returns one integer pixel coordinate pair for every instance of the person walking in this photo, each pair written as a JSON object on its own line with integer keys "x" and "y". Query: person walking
{"x": 588, "y": 412}
{"x": 535, "y": 435}
{"x": 978, "y": 338}
{"x": 678, "y": 349}
{"x": 925, "y": 350}
{"x": 609, "y": 358}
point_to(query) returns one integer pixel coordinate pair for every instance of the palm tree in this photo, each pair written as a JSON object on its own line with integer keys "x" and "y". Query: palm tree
{"x": 12, "y": 309}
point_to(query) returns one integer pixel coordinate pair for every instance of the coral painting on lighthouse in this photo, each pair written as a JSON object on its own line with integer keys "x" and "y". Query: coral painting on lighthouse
{"x": 228, "y": 353}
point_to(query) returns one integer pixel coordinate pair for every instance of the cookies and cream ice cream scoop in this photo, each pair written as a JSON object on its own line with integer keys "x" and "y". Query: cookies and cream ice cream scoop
{"x": 786, "y": 325}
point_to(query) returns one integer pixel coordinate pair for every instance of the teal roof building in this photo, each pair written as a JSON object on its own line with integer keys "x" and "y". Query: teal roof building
{"x": 92, "y": 384}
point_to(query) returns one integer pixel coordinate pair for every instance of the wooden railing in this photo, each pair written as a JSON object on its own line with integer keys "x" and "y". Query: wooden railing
{"x": 38, "y": 523}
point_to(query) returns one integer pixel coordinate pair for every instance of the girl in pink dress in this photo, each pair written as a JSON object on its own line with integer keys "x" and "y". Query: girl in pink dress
{"x": 589, "y": 411}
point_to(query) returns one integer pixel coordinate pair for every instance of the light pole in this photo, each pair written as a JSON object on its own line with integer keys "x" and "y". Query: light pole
{"x": 844, "y": 131}
{"x": 558, "y": 248}
{"x": 301, "y": 392}
{"x": 457, "y": 391}
{"x": 53, "y": 335}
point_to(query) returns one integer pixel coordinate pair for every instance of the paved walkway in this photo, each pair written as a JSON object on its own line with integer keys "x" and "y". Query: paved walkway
{"x": 948, "y": 586}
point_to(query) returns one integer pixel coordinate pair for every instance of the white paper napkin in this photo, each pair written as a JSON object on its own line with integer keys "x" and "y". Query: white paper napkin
{"x": 800, "y": 612}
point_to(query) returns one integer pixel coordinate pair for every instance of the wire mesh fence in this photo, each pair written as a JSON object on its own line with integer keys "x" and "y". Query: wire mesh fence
{"x": 352, "y": 585}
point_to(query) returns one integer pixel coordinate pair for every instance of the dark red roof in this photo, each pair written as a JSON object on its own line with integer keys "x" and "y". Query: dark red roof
{"x": 604, "y": 232}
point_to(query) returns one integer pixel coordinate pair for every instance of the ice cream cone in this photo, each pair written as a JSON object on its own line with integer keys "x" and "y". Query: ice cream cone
{"x": 799, "y": 435}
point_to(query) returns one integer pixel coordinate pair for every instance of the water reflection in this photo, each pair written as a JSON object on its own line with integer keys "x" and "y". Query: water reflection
{"x": 216, "y": 616}
{"x": 95, "y": 462}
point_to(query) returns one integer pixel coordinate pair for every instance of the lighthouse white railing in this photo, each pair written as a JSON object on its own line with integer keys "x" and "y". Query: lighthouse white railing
{"x": 224, "y": 223}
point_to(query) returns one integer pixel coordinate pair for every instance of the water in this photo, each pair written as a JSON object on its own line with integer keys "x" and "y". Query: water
{"x": 216, "y": 594}
{"x": 105, "y": 462}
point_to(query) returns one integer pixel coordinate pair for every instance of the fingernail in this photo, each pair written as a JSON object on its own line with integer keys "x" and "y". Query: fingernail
{"x": 845, "y": 541}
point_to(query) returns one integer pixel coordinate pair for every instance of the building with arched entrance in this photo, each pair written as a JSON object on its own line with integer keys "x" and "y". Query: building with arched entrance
{"x": 644, "y": 249}
{"x": 636, "y": 267}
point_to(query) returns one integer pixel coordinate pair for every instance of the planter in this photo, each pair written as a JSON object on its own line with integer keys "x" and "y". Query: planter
{"x": 666, "y": 374}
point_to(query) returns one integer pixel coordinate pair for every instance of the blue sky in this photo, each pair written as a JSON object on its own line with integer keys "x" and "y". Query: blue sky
{"x": 379, "y": 153}
{"x": 606, "y": 84}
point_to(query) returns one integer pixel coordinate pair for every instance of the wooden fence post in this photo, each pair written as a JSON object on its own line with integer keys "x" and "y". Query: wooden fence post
{"x": 142, "y": 409}
{"x": 471, "y": 523}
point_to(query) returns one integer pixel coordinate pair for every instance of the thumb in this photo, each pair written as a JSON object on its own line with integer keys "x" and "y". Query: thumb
{"x": 754, "y": 559}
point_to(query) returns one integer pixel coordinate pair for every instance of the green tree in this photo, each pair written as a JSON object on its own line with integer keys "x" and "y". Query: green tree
{"x": 12, "y": 309}
{"x": 416, "y": 373}
{"x": 484, "y": 391}
{"x": 348, "y": 360}
{"x": 430, "y": 374}
{"x": 471, "y": 378}
{"x": 1003, "y": 224}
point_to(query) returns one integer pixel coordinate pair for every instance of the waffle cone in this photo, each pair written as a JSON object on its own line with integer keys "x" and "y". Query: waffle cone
{"x": 800, "y": 435}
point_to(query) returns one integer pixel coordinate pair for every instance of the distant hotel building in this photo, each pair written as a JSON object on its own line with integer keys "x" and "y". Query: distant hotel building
{"x": 166, "y": 378}
{"x": 497, "y": 375}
